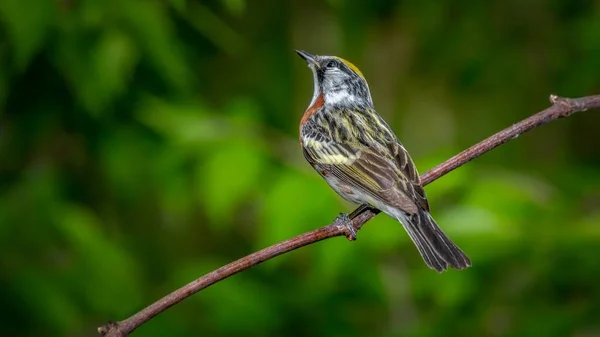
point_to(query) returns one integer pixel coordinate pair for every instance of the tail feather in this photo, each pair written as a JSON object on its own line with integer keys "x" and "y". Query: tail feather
{"x": 437, "y": 250}
{"x": 431, "y": 258}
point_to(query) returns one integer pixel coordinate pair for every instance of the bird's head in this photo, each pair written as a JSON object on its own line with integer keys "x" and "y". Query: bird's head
{"x": 339, "y": 81}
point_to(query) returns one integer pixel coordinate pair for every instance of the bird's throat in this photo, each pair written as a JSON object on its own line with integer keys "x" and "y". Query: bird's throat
{"x": 317, "y": 103}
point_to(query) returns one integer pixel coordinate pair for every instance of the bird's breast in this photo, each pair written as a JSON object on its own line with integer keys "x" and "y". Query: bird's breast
{"x": 317, "y": 105}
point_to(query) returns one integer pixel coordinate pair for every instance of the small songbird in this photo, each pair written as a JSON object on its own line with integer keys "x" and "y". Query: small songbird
{"x": 360, "y": 157}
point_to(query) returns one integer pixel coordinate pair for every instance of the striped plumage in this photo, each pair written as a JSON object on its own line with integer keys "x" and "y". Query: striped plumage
{"x": 361, "y": 158}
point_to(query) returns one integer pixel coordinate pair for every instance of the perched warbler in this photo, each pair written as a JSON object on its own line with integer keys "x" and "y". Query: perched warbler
{"x": 360, "y": 157}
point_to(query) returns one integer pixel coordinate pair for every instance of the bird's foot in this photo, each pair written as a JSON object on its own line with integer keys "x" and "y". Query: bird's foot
{"x": 344, "y": 221}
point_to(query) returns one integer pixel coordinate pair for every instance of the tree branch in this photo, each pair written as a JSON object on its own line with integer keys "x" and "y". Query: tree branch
{"x": 561, "y": 107}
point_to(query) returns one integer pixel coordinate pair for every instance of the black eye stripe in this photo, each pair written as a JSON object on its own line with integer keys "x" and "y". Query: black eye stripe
{"x": 332, "y": 64}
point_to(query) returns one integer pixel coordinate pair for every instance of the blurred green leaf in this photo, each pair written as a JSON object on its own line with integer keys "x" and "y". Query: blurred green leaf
{"x": 48, "y": 302}
{"x": 214, "y": 28}
{"x": 113, "y": 63}
{"x": 179, "y": 5}
{"x": 295, "y": 203}
{"x": 125, "y": 163}
{"x": 384, "y": 233}
{"x": 182, "y": 123}
{"x": 236, "y": 7}
{"x": 152, "y": 28}
{"x": 104, "y": 74}
{"x": 510, "y": 191}
{"x": 27, "y": 24}
{"x": 228, "y": 177}
{"x": 104, "y": 274}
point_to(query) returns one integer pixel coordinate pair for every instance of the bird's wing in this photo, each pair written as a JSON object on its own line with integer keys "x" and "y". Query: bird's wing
{"x": 408, "y": 170}
{"x": 386, "y": 173}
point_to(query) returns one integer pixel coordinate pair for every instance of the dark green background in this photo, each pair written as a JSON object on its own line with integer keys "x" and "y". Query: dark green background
{"x": 145, "y": 143}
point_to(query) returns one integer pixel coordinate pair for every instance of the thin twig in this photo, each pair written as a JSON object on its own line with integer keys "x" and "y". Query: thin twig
{"x": 561, "y": 107}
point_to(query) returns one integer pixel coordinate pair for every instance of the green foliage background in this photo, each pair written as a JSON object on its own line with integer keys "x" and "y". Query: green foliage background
{"x": 145, "y": 143}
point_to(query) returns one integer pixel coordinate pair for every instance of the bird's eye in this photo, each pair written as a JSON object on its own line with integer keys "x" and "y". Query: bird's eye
{"x": 331, "y": 64}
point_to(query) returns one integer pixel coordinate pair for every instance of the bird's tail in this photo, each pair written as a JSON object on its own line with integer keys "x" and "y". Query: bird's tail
{"x": 435, "y": 247}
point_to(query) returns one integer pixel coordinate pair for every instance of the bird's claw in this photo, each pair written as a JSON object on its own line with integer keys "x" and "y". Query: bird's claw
{"x": 344, "y": 221}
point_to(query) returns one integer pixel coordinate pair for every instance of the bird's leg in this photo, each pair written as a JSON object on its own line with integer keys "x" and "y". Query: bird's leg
{"x": 363, "y": 208}
{"x": 344, "y": 220}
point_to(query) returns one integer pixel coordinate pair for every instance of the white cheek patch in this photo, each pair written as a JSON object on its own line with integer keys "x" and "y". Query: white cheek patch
{"x": 338, "y": 96}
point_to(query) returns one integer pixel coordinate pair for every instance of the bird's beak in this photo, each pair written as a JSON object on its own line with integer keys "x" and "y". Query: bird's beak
{"x": 309, "y": 58}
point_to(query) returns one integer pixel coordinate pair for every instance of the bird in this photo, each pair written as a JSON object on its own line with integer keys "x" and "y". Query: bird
{"x": 357, "y": 153}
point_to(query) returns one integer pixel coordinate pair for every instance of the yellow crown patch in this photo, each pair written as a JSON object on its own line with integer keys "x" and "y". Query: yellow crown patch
{"x": 353, "y": 67}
